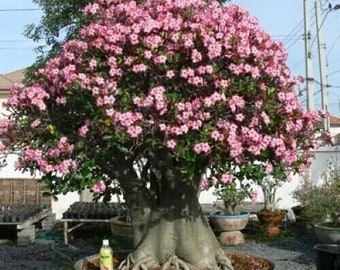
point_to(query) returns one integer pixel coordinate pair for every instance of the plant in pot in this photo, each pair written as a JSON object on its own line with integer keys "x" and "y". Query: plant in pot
{"x": 230, "y": 221}
{"x": 171, "y": 86}
{"x": 303, "y": 194}
{"x": 271, "y": 216}
{"x": 322, "y": 206}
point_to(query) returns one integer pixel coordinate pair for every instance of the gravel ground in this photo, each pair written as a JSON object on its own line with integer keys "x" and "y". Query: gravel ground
{"x": 292, "y": 253}
{"x": 47, "y": 255}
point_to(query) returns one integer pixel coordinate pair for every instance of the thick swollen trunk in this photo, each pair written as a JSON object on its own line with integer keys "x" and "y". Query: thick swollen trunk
{"x": 177, "y": 233}
{"x": 185, "y": 243}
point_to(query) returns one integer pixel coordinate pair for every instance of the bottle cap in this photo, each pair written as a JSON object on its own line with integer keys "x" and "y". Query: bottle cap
{"x": 105, "y": 242}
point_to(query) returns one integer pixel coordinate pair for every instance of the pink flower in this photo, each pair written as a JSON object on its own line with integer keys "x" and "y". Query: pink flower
{"x": 82, "y": 131}
{"x": 196, "y": 56}
{"x": 98, "y": 187}
{"x": 171, "y": 144}
{"x": 5, "y": 126}
{"x": 204, "y": 183}
{"x": 2, "y": 148}
{"x": 64, "y": 146}
{"x": 239, "y": 117}
{"x": 138, "y": 68}
{"x": 265, "y": 118}
{"x": 236, "y": 102}
{"x": 93, "y": 64}
{"x": 254, "y": 195}
{"x": 170, "y": 74}
{"x": 216, "y": 136}
{"x": 227, "y": 178}
{"x": 269, "y": 168}
{"x": 35, "y": 123}
{"x": 148, "y": 54}
{"x": 134, "y": 131}
{"x": 61, "y": 100}
{"x": 202, "y": 147}
{"x": 66, "y": 166}
{"x": 160, "y": 59}
{"x": 91, "y": 9}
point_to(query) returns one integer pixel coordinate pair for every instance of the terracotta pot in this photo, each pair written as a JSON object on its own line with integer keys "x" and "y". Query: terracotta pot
{"x": 271, "y": 221}
{"x": 228, "y": 227}
{"x": 239, "y": 260}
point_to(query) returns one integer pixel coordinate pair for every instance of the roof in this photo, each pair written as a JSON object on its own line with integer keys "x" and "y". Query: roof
{"x": 7, "y": 80}
{"x": 334, "y": 121}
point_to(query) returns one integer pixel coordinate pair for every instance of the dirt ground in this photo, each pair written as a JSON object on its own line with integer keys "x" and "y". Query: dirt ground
{"x": 49, "y": 252}
{"x": 292, "y": 252}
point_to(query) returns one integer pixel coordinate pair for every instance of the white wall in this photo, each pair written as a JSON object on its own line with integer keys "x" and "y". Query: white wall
{"x": 323, "y": 156}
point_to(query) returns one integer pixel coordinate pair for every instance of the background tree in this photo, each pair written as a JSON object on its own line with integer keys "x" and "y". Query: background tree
{"x": 162, "y": 96}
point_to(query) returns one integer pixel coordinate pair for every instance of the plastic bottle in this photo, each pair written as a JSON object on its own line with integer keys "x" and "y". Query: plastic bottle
{"x": 106, "y": 254}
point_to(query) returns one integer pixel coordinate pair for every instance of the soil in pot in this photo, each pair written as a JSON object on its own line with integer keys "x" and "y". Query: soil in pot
{"x": 239, "y": 261}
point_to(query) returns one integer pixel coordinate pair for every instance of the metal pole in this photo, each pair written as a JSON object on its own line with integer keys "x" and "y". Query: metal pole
{"x": 322, "y": 64}
{"x": 308, "y": 55}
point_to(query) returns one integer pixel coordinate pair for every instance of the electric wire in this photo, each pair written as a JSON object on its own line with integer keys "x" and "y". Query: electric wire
{"x": 333, "y": 72}
{"x": 20, "y": 9}
{"x": 333, "y": 45}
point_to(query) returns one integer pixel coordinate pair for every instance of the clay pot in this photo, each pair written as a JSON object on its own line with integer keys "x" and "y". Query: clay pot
{"x": 271, "y": 221}
{"x": 228, "y": 227}
{"x": 239, "y": 261}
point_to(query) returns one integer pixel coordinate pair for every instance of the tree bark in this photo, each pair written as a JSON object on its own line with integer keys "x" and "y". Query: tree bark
{"x": 175, "y": 232}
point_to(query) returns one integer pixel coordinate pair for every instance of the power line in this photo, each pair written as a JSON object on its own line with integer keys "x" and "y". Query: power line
{"x": 19, "y": 9}
{"x": 17, "y": 48}
{"x": 15, "y": 40}
{"x": 333, "y": 72}
{"x": 333, "y": 45}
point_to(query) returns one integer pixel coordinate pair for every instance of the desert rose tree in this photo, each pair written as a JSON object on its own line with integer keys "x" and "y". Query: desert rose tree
{"x": 162, "y": 97}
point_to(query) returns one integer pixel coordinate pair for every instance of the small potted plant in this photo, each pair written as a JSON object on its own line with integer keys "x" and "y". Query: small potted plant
{"x": 229, "y": 222}
{"x": 322, "y": 206}
{"x": 270, "y": 216}
{"x": 302, "y": 194}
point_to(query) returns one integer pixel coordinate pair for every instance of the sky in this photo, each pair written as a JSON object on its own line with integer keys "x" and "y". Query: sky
{"x": 282, "y": 19}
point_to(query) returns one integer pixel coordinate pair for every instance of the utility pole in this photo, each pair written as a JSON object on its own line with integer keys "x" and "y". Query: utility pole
{"x": 322, "y": 64}
{"x": 308, "y": 56}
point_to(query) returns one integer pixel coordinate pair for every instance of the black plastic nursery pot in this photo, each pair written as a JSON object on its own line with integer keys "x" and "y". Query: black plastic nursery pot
{"x": 327, "y": 257}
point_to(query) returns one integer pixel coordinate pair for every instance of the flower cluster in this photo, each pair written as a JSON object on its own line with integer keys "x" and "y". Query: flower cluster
{"x": 98, "y": 187}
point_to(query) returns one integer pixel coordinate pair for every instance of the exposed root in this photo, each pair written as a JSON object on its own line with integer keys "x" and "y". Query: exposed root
{"x": 178, "y": 263}
{"x": 125, "y": 265}
{"x": 223, "y": 261}
{"x": 131, "y": 264}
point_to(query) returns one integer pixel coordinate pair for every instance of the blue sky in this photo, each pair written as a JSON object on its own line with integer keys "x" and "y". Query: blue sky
{"x": 282, "y": 19}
